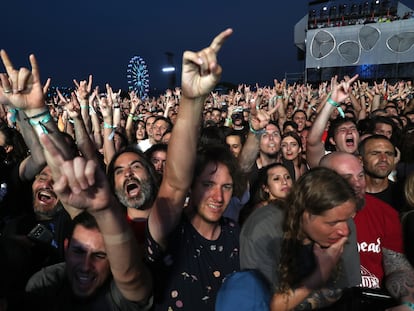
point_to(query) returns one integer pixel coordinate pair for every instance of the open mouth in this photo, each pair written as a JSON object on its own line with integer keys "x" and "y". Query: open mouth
{"x": 132, "y": 187}
{"x": 85, "y": 280}
{"x": 215, "y": 207}
{"x": 46, "y": 196}
{"x": 349, "y": 141}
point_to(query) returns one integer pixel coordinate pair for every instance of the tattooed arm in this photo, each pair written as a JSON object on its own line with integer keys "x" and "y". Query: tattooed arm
{"x": 320, "y": 299}
{"x": 399, "y": 275}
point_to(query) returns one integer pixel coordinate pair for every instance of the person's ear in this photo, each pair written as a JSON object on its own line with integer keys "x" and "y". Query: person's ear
{"x": 332, "y": 141}
{"x": 8, "y": 148}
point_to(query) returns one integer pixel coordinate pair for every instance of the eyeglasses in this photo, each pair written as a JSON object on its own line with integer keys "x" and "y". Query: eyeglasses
{"x": 270, "y": 134}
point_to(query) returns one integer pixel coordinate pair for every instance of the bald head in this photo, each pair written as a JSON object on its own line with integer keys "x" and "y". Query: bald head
{"x": 349, "y": 167}
{"x": 331, "y": 160}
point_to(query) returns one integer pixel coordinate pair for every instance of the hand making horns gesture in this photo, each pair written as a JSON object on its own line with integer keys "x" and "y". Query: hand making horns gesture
{"x": 201, "y": 72}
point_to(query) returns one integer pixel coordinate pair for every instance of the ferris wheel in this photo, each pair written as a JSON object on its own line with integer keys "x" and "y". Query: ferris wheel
{"x": 138, "y": 76}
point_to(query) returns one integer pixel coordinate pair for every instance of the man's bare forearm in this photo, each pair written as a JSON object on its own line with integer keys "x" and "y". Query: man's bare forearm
{"x": 399, "y": 275}
{"x": 320, "y": 299}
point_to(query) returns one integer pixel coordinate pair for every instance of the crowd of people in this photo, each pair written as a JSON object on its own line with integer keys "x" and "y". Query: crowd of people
{"x": 273, "y": 197}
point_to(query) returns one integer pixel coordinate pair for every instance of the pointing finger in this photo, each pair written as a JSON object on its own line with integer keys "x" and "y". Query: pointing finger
{"x": 353, "y": 79}
{"x": 46, "y": 86}
{"x": 90, "y": 83}
{"x": 7, "y": 62}
{"x": 220, "y": 39}
{"x": 76, "y": 83}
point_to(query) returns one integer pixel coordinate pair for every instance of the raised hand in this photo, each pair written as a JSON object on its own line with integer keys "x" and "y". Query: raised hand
{"x": 279, "y": 86}
{"x": 73, "y": 106}
{"x": 83, "y": 88}
{"x": 201, "y": 72}
{"x": 340, "y": 91}
{"x": 259, "y": 118}
{"x": 21, "y": 88}
{"x": 79, "y": 182}
{"x": 105, "y": 107}
{"x": 135, "y": 102}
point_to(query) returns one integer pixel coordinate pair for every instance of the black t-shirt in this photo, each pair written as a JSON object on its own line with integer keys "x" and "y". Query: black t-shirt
{"x": 49, "y": 289}
{"x": 190, "y": 272}
{"x": 393, "y": 195}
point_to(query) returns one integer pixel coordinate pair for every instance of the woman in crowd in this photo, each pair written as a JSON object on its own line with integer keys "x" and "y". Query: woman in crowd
{"x": 140, "y": 133}
{"x": 291, "y": 146}
{"x": 260, "y": 233}
{"x": 273, "y": 185}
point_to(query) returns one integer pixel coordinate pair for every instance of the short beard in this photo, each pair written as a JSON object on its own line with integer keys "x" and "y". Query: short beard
{"x": 140, "y": 202}
{"x": 378, "y": 176}
{"x": 46, "y": 214}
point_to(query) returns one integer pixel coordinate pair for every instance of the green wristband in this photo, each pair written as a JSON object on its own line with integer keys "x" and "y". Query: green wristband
{"x": 257, "y": 133}
{"x": 108, "y": 126}
{"x": 337, "y": 106}
{"x": 408, "y": 304}
{"x": 39, "y": 125}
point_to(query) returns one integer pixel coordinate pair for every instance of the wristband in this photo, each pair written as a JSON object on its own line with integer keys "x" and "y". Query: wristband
{"x": 258, "y": 132}
{"x": 408, "y": 304}
{"x": 279, "y": 96}
{"x": 131, "y": 116}
{"x": 39, "y": 125}
{"x": 108, "y": 126}
{"x": 41, "y": 114}
{"x": 337, "y": 106}
{"x": 117, "y": 106}
{"x": 13, "y": 114}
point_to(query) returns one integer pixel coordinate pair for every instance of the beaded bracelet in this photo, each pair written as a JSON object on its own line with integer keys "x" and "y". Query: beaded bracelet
{"x": 337, "y": 106}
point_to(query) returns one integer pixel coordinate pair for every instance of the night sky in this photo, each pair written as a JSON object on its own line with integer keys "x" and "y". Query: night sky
{"x": 72, "y": 39}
